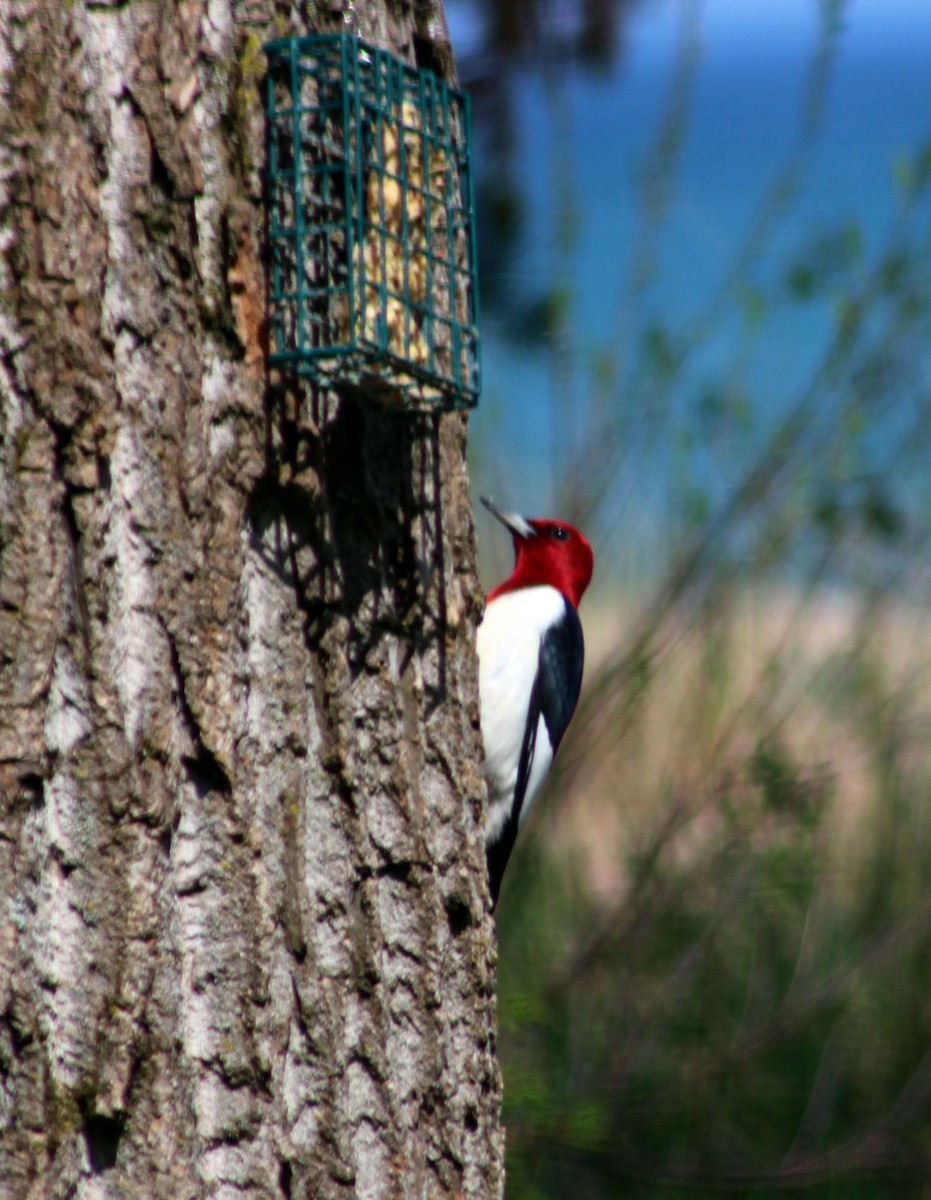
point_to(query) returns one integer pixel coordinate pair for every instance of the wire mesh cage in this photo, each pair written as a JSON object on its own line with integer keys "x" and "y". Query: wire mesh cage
{"x": 371, "y": 225}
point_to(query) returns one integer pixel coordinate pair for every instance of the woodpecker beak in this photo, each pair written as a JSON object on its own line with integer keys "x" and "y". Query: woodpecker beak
{"x": 514, "y": 521}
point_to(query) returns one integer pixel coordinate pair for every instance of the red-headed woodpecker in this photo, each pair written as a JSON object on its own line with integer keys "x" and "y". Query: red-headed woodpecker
{"x": 530, "y": 651}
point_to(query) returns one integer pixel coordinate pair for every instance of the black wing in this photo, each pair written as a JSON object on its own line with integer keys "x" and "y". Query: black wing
{"x": 554, "y": 697}
{"x": 562, "y": 655}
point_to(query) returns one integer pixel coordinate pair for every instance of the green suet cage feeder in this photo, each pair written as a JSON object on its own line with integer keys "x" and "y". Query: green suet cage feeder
{"x": 371, "y": 224}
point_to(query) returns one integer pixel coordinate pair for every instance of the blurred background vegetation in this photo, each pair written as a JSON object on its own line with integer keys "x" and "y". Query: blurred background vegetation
{"x": 706, "y": 238}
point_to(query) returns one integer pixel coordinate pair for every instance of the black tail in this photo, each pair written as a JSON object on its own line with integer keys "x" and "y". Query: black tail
{"x": 497, "y": 855}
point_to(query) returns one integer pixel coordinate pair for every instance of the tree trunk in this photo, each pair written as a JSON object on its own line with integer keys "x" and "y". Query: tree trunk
{"x": 245, "y": 948}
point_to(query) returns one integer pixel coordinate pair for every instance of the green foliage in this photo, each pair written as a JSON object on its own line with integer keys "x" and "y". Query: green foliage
{"x": 745, "y": 1018}
{"x": 660, "y": 357}
{"x": 825, "y": 262}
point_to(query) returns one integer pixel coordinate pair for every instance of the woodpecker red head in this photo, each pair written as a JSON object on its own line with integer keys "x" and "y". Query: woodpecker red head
{"x": 531, "y": 652}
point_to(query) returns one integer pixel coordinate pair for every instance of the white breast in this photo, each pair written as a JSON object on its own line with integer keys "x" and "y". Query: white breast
{"x": 509, "y": 640}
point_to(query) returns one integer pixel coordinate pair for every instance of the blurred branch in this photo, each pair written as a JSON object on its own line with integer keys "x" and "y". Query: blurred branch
{"x": 799, "y": 438}
{"x": 586, "y": 490}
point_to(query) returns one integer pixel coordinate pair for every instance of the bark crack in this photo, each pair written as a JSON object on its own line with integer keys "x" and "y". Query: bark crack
{"x": 203, "y": 767}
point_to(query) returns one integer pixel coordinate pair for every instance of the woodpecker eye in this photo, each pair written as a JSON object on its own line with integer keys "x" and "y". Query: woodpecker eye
{"x": 561, "y": 535}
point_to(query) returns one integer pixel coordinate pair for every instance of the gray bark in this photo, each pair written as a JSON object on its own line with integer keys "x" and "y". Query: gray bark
{"x": 245, "y": 946}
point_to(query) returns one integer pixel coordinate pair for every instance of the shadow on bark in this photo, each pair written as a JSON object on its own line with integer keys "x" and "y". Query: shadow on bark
{"x": 335, "y": 516}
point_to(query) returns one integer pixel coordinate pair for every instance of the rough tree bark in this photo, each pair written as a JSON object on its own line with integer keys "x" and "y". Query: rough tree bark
{"x": 245, "y": 946}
